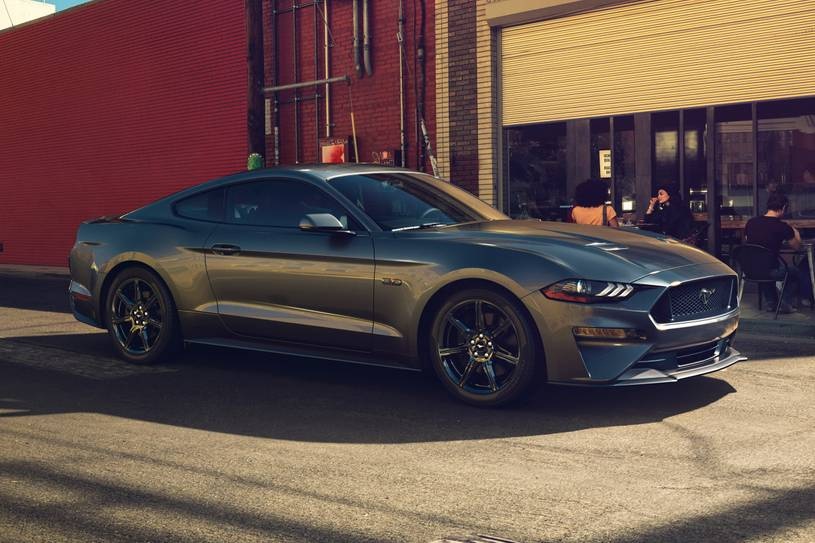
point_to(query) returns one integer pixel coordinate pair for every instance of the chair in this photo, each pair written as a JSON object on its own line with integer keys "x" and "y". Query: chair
{"x": 697, "y": 235}
{"x": 756, "y": 263}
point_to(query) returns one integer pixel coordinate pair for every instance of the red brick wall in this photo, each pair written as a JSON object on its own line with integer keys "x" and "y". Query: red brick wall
{"x": 375, "y": 98}
{"x": 110, "y": 105}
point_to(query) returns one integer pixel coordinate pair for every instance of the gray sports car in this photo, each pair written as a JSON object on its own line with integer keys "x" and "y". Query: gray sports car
{"x": 386, "y": 266}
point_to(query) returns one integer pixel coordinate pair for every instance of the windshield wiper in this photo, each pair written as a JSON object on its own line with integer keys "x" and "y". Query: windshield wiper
{"x": 422, "y": 226}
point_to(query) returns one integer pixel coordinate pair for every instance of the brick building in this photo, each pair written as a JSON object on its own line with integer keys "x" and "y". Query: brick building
{"x": 117, "y": 103}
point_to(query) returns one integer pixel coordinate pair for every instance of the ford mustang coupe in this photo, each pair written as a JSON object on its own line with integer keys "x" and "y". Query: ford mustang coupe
{"x": 386, "y": 266}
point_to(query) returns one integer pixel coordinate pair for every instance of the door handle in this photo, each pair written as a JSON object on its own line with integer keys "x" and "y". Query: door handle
{"x": 225, "y": 249}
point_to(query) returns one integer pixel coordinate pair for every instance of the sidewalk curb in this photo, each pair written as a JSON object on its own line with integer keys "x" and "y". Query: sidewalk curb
{"x": 20, "y": 269}
{"x": 775, "y": 328}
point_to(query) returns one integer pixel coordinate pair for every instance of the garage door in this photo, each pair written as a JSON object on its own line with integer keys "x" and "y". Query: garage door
{"x": 657, "y": 55}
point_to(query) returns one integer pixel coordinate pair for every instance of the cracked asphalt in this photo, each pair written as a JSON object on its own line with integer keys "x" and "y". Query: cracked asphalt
{"x": 222, "y": 445}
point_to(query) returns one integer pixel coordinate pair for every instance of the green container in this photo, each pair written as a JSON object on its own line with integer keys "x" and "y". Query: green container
{"x": 254, "y": 162}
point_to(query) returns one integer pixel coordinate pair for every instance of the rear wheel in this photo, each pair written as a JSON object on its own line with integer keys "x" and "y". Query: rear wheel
{"x": 140, "y": 317}
{"x": 483, "y": 347}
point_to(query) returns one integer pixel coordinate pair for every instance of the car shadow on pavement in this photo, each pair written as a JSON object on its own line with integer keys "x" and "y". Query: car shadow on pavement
{"x": 39, "y": 293}
{"x": 279, "y": 397}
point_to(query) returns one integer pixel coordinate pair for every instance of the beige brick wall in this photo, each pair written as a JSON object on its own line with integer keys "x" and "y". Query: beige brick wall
{"x": 487, "y": 118}
{"x": 487, "y": 123}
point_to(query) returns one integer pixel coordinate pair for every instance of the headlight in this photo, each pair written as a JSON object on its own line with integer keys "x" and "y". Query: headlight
{"x": 584, "y": 291}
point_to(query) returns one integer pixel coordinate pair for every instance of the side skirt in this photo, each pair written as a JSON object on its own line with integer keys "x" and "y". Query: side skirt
{"x": 294, "y": 351}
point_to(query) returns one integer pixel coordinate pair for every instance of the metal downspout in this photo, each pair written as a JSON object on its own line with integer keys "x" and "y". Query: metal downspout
{"x": 275, "y": 99}
{"x": 327, "y": 71}
{"x": 317, "y": 87}
{"x": 357, "y": 63}
{"x": 296, "y": 78}
{"x": 366, "y": 41}
{"x": 420, "y": 96}
{"x": 400, "y": 37}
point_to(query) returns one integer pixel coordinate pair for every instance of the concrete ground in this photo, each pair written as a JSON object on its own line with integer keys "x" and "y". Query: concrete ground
{"x": 228, "y": 446}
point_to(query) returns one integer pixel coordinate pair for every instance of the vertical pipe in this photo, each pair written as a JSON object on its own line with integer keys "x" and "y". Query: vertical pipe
{"x": 400, "y": 37}
{"x": 327, "y": 71}
{"x": 316, "y": 87}
{"x": 355, "y": 19}
{"x": 296, "y": 80}
{"x": 366, "y": 41}
{"x": 275, "y": 76}
{"x": 420, "y": 55}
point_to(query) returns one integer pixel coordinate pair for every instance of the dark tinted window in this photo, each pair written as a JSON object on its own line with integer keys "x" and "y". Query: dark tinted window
{"x": 208, "y": 206}
{"x": 281, "y": 203}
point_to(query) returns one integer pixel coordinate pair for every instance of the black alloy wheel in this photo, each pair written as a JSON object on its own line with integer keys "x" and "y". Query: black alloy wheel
{"x": 483, "y": 348}
{"x": 140, "y": 317}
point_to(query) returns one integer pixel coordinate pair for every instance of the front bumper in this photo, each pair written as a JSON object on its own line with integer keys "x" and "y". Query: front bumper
{"x": 671, "y": 366}
{"x": 664, "y": 353}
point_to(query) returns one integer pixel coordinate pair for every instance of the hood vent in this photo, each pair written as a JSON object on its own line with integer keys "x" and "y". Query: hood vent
{"x": 606, "y": 246}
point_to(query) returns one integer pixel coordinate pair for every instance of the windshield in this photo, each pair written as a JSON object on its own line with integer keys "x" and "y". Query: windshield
{"x": 403, "y": 201}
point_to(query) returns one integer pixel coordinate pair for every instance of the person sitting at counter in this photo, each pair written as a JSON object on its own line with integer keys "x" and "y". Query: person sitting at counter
{"x": 669, "y": 213}
{"x": 590, "y": 204}
{"x": 771, "y": 232}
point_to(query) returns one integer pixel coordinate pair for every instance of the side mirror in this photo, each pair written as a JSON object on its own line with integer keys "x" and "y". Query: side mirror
{"x": 322, "y": 222}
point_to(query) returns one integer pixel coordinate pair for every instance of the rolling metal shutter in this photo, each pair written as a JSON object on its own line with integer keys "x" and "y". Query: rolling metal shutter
{"x": 657, "y": 55}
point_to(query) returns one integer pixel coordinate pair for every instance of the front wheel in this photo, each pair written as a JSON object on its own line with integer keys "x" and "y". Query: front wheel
{"x": 483, "y": 347}
{"x": 140, "y": 317}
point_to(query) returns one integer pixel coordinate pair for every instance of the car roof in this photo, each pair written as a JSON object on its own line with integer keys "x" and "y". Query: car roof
{"x": 316, "y": 172}
{"x": 327, "y": 171}
{"x": 319, "y": 172}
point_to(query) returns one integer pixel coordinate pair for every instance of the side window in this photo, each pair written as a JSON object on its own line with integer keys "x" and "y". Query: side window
{"x": 207, "y": 206}
{"x": 281, "y": 203}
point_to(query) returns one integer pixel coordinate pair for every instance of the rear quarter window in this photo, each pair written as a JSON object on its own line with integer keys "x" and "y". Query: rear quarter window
{"x": 207, "y": 206}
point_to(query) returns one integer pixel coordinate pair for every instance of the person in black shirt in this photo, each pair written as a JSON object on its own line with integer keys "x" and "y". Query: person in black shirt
{"x": 771, "y": 232}
{"x": 669, "y": 213}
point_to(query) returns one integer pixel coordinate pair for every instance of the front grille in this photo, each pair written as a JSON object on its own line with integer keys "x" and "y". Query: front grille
{"x": 696, "y": 300}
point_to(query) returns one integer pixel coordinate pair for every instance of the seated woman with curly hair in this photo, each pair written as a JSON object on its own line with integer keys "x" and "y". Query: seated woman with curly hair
{"x": 590, "y": 204}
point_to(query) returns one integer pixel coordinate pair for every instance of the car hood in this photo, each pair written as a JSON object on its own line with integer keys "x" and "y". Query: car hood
{"x": 593, "y": 252}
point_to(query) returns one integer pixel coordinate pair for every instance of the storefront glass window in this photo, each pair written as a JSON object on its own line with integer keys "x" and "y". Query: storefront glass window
{"x": 600, "y": 149}
{"x": 536, "y": 168}
{"x": 625, "y": 160}
{"x": 665, "y": 131}
{"x": 786, "y": 156}
{"x": 734, "y": 161}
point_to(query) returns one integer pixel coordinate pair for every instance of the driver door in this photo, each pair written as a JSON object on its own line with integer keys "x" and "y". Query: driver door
{"x": 277, "y": 282}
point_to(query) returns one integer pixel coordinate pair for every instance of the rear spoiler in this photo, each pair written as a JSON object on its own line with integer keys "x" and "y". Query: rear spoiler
{"x": 106, "y": 219}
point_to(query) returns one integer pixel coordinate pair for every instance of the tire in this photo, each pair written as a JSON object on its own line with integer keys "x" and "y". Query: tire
{"x": 141, "y": 318}
{"x": 488, "y": 360}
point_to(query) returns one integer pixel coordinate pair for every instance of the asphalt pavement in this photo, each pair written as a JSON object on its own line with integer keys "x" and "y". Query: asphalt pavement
{"x": 221, "y": 445}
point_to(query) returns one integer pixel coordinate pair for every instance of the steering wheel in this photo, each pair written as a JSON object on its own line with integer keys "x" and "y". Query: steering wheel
{"x": 429, "y": 211}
